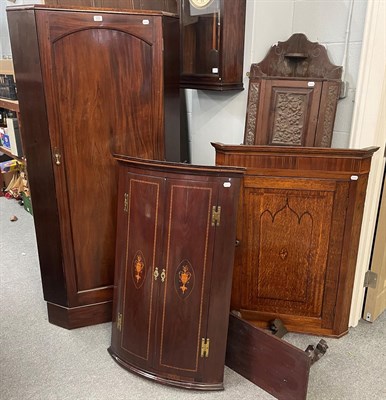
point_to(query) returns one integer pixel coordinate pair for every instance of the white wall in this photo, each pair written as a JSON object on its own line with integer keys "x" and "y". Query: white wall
{"x": 369, "y": 129}
{"x": 221, "y": 116}
{"x": 5, "y": 46}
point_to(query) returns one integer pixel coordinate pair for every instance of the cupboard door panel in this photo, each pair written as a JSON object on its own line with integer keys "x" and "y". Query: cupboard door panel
{"x": 78, "y": 85}
{"x": 284, "y": 274}
{"x": 143, "y": 200}
{"x": 189, "y": 252}
{"x": 288, "y": 112}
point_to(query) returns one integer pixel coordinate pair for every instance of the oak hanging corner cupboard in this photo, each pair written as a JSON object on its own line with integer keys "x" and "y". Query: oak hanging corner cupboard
{"x": 90, "y": 84}
{"x": 299, "y": 223}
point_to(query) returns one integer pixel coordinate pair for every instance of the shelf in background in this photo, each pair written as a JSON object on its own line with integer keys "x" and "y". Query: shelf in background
{"x": 12, "y": 105}
{"x": 8, "y": 153}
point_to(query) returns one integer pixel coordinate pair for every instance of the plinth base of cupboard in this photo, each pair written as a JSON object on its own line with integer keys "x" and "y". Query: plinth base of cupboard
{"x": 77, "y": 317}
{"x": 163, "y": 379}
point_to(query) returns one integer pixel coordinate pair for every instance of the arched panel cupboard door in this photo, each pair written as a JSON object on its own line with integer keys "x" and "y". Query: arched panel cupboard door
{"x": 90, "y": 84}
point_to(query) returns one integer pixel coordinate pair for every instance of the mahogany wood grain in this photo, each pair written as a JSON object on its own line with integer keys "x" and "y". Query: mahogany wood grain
{"x": 300, "y": 215}
{"x": 37, "y": 149}
{"x": 269, "y": 362}
{"x": 70, "y": 317}
{"x": 165, "y": 232}
{"x": 89, "y": 88}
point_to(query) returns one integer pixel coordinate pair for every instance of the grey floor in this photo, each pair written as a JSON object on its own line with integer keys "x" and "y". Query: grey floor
{"x": 43, "y": 362}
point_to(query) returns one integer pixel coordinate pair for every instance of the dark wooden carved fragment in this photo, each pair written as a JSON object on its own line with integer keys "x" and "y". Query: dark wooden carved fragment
{"x": 272, "y": 364}
{"x": 297, "y": 57}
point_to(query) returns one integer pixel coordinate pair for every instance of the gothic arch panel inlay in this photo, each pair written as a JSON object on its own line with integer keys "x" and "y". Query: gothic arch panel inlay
{"x": 284, "y": 255}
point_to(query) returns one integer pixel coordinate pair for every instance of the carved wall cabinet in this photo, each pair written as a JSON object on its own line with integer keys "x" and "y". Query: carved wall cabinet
{"x": 174, "y": 261}
{"x": 293, "y": 95}
{"x": 300, "y": 217}
{"x": 89, "y": 85}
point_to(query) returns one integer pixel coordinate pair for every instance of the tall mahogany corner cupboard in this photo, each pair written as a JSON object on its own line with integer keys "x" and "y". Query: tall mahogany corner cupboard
{"x": 90, "y": 83}
{"x": 173, "y": 277}
{"x": 299, "y": 223}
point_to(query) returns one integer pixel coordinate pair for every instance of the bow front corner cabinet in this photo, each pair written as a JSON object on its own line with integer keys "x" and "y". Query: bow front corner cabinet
{"x": 299, "y": 224}
{"x": 174, "y": 261}
{"x": 91, "y": 83}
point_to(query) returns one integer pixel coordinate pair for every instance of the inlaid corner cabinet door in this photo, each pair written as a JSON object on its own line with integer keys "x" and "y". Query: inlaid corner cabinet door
{"x": 173, "y": 275}
{"x": 90, "y": 84}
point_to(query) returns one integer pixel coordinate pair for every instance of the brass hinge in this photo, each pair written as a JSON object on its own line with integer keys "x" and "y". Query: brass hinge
{"x": 126, "y": 203}
{"x": 204, "y": 347}
{"x": 370, "y": 279}
{"x": 216, "y": 215}
{"x": 119, "y": 322}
